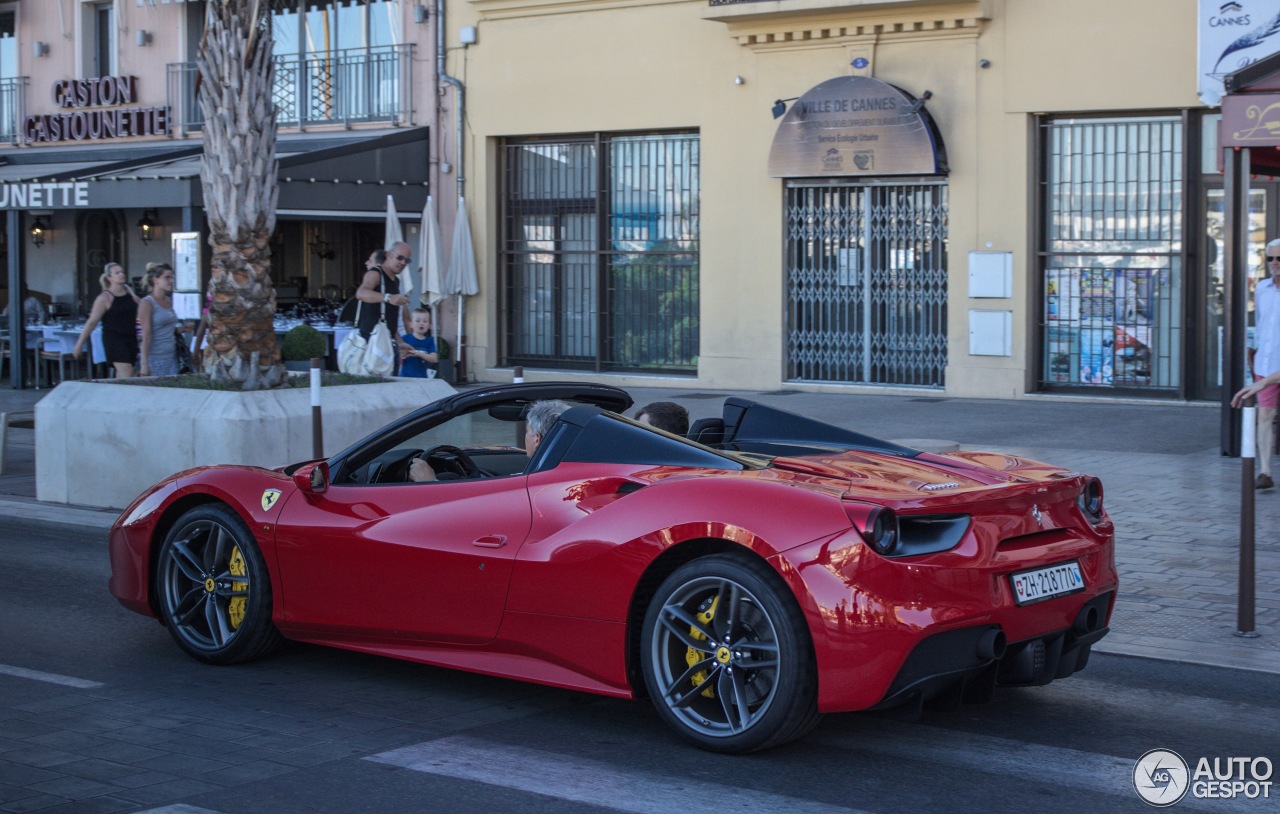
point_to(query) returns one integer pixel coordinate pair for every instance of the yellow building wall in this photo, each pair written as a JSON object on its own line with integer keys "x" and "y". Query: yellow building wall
{"x": 563, "y": 67}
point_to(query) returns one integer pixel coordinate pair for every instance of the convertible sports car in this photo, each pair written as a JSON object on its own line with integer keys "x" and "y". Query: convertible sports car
{"x": 765, "y": 570}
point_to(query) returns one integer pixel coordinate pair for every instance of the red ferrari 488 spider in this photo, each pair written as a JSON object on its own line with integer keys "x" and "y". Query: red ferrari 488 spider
{"x": 762, "y": 571}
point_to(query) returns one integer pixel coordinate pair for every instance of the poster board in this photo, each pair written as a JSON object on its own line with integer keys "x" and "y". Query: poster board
{"x": 186, "y": 274}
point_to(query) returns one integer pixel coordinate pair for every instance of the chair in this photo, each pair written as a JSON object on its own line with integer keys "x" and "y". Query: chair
{"x": 52, "y": 348}
{"x": 709, "y": 431}
{"x": 5, "y": 352}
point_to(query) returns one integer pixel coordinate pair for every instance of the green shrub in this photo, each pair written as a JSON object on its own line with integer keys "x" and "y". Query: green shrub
{"x": 442, "y": 348}
{"x": 303, "y": 343}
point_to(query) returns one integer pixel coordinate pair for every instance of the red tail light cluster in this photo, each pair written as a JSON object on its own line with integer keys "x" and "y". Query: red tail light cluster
{"x": 1090, "y": 500}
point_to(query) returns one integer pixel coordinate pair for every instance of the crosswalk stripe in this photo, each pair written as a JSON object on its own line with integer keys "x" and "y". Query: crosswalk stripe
{"x": 50, "y": 678}
{"x": 583, "y": 780}
{"x": 1049, "y": 765}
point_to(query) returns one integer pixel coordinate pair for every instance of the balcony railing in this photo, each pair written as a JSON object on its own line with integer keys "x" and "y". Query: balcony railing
{"x": 336, "y": 87}
{"x": 13, "y": 108}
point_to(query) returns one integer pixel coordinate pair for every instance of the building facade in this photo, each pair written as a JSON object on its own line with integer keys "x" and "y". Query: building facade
{"x": 726, "y": 198}
{"x": 970, "y": 198}
{"x": 100, "y": 140}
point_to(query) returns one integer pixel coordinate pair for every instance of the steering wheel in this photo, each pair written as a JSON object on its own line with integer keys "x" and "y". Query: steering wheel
{"x": 448, "y": 458}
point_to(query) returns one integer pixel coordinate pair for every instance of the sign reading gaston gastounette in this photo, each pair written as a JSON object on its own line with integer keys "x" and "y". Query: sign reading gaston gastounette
{"x": 94, "y": 110}
{"x": 855, "y": 125}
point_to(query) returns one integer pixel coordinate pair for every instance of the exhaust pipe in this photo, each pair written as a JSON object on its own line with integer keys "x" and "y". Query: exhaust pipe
{"x": 1086, "y": 621}
{"x": 991, "y": 646}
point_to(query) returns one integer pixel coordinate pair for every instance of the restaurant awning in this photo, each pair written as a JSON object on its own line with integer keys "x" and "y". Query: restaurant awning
{"x": 320, "y": 174}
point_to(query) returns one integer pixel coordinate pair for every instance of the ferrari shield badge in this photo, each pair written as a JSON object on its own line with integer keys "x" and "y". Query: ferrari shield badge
{"x": 269, "y": 498}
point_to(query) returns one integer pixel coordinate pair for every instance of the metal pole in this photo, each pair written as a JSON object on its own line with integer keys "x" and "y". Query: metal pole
{"x": 517, "y": 377}
{"x": 1235, "y": 269}
{"x": 317, "y": 425}
{"x": 1244, "y": 593}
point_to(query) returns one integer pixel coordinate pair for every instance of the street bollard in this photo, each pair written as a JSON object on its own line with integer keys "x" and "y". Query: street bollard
{"x": 1244, "y": 592}
{"x": 317, "y": 427}
{"x": 517, "y": 375}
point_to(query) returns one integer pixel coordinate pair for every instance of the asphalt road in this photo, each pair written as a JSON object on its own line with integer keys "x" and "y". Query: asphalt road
{"x": 99, "y": 711}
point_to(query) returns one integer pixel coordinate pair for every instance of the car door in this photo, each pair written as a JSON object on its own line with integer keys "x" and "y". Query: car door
{"x": 418, "y": 561}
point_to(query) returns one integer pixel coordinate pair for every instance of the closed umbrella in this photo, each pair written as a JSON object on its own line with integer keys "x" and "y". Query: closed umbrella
{"x": 394, "y": 236}
{"x": 460, "y": 278}
{"x": 431, "y": 256}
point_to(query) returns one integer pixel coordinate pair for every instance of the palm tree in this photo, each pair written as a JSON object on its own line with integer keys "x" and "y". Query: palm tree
{"x": 238, "y": 175}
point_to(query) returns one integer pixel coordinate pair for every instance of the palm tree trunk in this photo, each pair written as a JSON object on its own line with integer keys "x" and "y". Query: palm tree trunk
{"x": 238, "y": 172}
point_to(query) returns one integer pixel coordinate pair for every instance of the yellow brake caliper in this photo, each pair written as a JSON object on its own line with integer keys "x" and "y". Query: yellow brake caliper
{"x": 706, "y": 612}
{"x": 235, "y": 608}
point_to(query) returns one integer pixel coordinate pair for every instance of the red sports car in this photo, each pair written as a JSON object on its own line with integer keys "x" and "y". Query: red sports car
{"x": 762, "y": 571}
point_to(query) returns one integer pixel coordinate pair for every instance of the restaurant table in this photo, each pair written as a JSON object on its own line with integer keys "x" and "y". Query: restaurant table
{"x": 54, "y": 339}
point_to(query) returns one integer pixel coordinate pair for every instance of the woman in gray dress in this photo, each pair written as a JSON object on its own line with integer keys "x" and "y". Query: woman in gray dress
{"x": 159, "y": 356}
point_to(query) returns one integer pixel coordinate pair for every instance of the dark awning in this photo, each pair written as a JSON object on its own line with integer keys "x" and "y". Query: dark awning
{"x": 321, "y": 175}
{"x": 1251, "y": 114}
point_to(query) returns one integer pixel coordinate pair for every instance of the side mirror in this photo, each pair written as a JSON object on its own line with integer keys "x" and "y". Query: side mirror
{"x": 312, "y": 478}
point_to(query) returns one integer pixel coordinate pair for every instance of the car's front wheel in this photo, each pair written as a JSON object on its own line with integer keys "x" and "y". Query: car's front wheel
{"x": 727, "y": 657}
{"x": 213, "y": 588}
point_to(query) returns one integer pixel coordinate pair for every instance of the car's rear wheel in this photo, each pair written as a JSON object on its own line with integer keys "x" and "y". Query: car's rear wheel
{"x": 213, "y": 588}
{"x": 727, "y": 656}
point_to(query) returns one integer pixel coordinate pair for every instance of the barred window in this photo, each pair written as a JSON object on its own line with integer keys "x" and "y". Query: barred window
{"x": 599, "y": 255}
{"x": 1111, "y": 273}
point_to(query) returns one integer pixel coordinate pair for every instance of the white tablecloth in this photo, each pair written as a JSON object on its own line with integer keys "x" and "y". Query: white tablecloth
{"x": 66, "y": 340}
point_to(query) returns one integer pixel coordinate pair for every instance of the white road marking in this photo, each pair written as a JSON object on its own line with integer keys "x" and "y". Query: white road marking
{"x": 51, "y": 678}
{"x": 1051, "y": 765}
{"x": 179, "y": 808}
{"x": 582, "y": 780}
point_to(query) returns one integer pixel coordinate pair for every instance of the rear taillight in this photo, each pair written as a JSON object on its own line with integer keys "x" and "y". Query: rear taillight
{"x": 1090, "y": 501}
{"x": 877, "y": 525}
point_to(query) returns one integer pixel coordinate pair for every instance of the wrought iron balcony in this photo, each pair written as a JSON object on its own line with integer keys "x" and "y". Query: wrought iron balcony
{"x": 335, "y": 87}
{"x": 13, "y": 108}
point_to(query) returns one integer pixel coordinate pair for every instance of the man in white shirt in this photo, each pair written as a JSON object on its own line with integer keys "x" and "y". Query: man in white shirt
{"x": 1266, "y": 360}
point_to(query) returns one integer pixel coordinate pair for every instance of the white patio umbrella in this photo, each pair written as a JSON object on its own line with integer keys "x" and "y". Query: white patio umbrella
{"x": 460, "y": 278}
{"x": 394, "y": 236}
{"x": 431, "y": 258}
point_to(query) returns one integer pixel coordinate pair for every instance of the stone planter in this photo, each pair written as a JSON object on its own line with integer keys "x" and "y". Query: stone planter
{"x": 100, "y": 444}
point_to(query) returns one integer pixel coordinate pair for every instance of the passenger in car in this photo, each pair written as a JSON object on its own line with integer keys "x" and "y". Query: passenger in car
{"x": 665, "y": 415}
{"x": 541, "y": 416}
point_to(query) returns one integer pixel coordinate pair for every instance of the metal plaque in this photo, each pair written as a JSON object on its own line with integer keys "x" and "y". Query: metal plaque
{"x": 854, "y": 126}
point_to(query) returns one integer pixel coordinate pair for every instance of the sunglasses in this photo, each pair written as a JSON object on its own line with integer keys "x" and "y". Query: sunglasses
{"x": 404, "y": 259}
{"x": 1273, "y": 259}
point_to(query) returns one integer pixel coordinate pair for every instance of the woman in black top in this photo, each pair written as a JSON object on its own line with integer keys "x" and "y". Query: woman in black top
{"x": 117, "y": 309}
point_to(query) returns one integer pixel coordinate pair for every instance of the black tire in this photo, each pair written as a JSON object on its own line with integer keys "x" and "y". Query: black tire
{"x": 709, "y": 671}
{"x": 213, "y": 588}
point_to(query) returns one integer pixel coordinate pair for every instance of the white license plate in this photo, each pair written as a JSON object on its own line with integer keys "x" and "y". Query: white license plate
{"x": 1045, "y": 583}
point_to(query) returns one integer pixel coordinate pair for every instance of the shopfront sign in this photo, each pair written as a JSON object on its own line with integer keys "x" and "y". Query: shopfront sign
{"x": 95, "y": 109}
{"x": 856, "y": 126}
{"x": 44, "y": 195}
{"x": 1250, "y": 120}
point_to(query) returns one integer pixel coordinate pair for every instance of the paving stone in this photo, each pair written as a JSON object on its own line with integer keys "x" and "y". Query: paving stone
{"x": 36, "y": 802}
{"x": 166, "y": 792}
{"x": 73, "y": 788}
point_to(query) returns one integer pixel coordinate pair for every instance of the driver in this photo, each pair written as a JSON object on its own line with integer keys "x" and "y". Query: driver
{"x": 540, "y": 418}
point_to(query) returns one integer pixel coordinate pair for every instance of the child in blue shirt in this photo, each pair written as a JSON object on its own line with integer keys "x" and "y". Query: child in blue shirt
{"x": 419, "y": 348}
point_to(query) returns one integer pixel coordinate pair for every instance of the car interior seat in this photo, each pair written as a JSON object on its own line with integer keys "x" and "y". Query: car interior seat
{"x": 707, "y": 431}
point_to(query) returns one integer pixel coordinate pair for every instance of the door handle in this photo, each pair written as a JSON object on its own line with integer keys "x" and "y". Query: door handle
{"x": 490, "y": 541}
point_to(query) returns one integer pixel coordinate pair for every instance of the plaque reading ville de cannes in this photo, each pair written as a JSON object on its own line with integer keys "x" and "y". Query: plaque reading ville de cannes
{"x": 854, "y": 125}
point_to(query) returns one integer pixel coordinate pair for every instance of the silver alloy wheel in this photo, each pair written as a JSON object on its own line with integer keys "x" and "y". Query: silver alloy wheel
{"x": 715, "y": 655}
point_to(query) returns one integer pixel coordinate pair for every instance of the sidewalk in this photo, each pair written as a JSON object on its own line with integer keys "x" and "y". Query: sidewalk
{"x": 1174, "y": 500}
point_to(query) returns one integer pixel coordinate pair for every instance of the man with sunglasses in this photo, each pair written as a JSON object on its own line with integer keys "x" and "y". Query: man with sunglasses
{"x": 1266, "y": 360}
{"x": 380, "y": 287}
